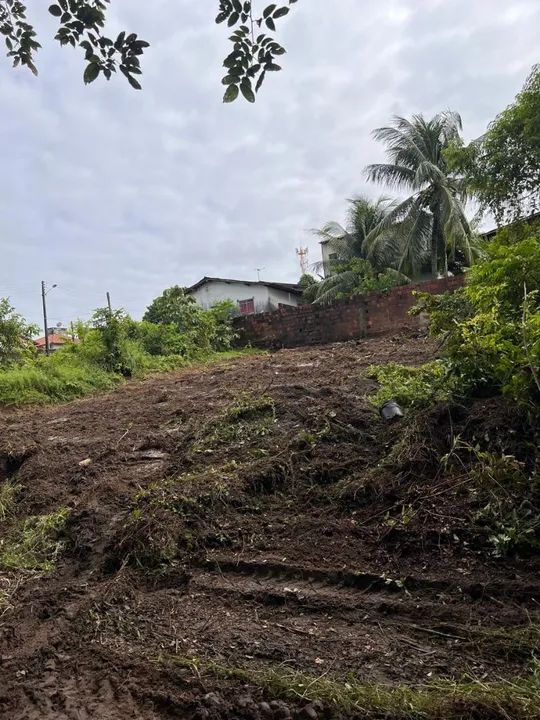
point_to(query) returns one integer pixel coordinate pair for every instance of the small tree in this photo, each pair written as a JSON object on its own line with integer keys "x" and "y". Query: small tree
{"x": 175, "y": 307}
{"x": 15, "y": 335}
{"x": 113, "y": 329}
{"x": 502, "y": 168}
{"x": 492, "y": 328}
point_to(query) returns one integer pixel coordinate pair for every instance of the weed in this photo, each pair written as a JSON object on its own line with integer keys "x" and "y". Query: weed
{"x": 36, "y": 544}
{"x": 8, "y": 496}
{"x": 50, "y": 380}
{"x": 247, "y": 407}
{"x": 173, "y": 515}
{"x": 238, "y": 433}
{"x": 520, "y": 642}
{"x": 65, "y": 375}
{"x": 411, "y": 386}
{"x": 510, "y": 499}
{"x": 407, "y": 515}
{"x": 440, "y": 700}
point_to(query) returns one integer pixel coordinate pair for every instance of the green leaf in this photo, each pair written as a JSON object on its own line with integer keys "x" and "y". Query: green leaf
{"x": 221, "y": 17}
{"x": 269, "y": 10}
{"x": 280, "y": 12}
{"x": 91, "y": 72}
{"x": 271, "y": 67}
{"x": 233, "y": 19}
{"x": 134, "y": 83}
{"x": 229, "y": 80}
{"x": 231, "y": 93}
{"x": 55, "y": 10}
{"x": 260, "y": 81}
{"x": 247, "y": 92}
{"x": 237, "y": 70}
{"x": 270, "y": 23}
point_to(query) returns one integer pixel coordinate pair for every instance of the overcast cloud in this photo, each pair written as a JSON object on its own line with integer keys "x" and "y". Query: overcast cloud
{"x": 104, "y": 188}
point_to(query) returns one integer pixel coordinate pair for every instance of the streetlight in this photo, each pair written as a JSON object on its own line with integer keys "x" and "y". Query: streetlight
{"x": 43, "y": 295}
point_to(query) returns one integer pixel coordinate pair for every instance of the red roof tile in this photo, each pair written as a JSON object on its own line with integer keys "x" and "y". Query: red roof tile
{"x": 53, "y": 340}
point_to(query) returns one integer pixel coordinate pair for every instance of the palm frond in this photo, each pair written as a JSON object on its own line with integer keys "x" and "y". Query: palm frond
{"x": 395, "y": 176}
{"x": 336, "y": 285}
{"x": 415, "y": 152}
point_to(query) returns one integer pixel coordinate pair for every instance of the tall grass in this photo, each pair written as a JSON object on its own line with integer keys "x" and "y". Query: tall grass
{"x": 67, "y": 374}
{"x": 47, "y": 380}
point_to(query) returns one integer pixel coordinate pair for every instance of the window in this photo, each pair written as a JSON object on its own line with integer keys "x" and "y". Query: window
{"x": 246, "y": 307}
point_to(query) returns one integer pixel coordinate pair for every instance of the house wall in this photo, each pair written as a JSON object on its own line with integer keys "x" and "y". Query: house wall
{"x": 326, "y": 250}
{"x": 281, "y": 297}
{"x": 348, "y": 319}
{"x": 265, "y": 298}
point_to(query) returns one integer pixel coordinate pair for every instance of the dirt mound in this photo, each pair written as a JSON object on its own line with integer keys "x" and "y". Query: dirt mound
{"x": 252, "y": 540}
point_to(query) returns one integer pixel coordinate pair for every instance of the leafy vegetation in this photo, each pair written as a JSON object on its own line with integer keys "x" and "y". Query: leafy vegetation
{"x": 82, "y": 25}
{"x": 502, "y": 167}
{"x": 431, "y": 223}
{"x": 111, "y": 347}
{"x": 15, "y": 335}
{"x": 491, "y": 339}
{"x": 36, "y": 544}
{"x": 354, "y": 277}
{"x": 412, "y": 387}
{"x": 349, "y": 270}
{"x": 57, "y": 378}
{"x": 389, "y": 242}
{"x": 205, "y": 329}
{"x": 492, "y": 329}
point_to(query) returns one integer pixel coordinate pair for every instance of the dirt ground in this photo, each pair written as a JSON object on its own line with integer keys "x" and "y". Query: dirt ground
{"x": 241, "y": 516}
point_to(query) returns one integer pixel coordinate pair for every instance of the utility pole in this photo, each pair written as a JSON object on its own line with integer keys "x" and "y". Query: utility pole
{"x": 43, "y": 293}
{"x": 109, "y": 302}
{"x": 72, "y": 332}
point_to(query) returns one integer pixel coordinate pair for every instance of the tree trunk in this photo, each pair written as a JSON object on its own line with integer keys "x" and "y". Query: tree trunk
{"x": 434, "y": 246}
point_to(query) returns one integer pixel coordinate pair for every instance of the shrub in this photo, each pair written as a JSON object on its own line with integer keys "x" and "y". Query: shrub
{"x": 411, "y": 386}
{"x": 492, "y": 328}
{"x": 15, "y": 335}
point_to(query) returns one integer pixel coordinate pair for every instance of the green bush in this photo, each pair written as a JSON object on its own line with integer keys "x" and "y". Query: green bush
{"x": 492, "y": 329}
{"x": 201, "y": 329}
{"x": 110, "y": 347}
{"x": 15, "y": 335}
{"x": 411, "y": 386}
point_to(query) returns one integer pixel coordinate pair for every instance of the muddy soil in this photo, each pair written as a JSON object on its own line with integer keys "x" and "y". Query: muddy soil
{"x": 241, "y": 516}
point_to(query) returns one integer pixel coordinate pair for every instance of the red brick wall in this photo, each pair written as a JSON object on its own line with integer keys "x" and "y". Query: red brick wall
{"x": 360, "y": 316}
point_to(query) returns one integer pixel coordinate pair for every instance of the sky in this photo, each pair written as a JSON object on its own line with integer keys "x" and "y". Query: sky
{"x": 104, "y": 188}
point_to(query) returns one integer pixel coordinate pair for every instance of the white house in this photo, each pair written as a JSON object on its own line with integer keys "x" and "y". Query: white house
{"x": 249, "y": 297}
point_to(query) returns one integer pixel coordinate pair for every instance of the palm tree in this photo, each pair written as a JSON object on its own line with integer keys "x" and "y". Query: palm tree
{"x": 364, "y": 217}
{"x": 431, "y": 222}
{"x": 351, "y": 270}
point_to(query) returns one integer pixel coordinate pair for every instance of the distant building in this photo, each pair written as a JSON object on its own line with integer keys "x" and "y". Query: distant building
{"x": 249, "y": 297}
{"x": 56, "y": 341}
{"x": 328, "y": 255}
